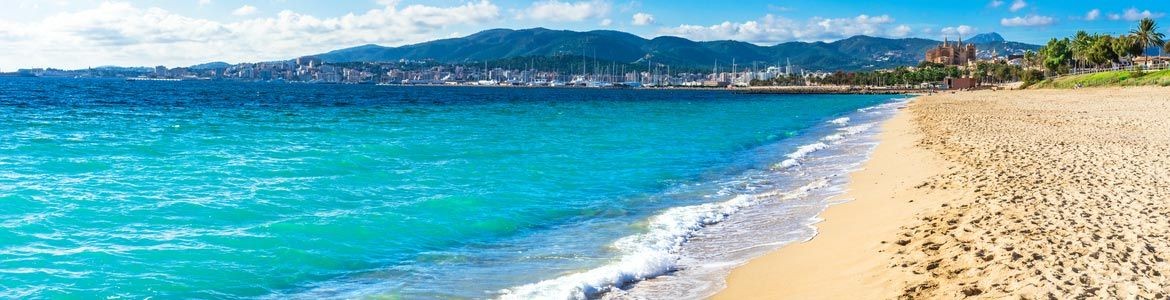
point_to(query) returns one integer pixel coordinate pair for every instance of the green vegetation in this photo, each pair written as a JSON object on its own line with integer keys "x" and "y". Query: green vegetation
{"x": 1147, "y": 34}
{"x": 1084, "y": 50}
{"x": 925, "y": 72}
{"x": 855, "y": 53}
{"x": 1114, "y": 78}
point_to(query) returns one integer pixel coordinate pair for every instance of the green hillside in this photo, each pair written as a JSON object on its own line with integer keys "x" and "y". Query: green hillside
{"x": 855, "y": 53}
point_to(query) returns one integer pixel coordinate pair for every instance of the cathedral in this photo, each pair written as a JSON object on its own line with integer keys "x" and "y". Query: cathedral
{"x": 948, "y": 54}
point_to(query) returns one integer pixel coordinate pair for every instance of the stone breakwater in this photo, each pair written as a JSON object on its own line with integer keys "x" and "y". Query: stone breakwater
{"x": 829, "y": 89}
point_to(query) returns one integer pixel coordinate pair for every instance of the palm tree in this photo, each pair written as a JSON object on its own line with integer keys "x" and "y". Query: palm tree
{"x": 1147, "y": 34}
{"x": 1080, "y": 46}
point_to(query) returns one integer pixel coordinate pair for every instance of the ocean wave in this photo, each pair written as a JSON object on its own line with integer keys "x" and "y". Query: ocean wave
{"x": 794, "y": 158}
{"x": 842, "y": 121}
{"x": 650, "y": 254}
{"x": 658, "y": 250}
{"x": 644, "y": 255}
{"x": 884, "y": 106}
{"x": 802, "y": 151}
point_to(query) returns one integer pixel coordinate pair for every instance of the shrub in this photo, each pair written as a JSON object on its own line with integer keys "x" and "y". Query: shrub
{"x": 1032, "y": 77}
{"x": 1138, "y": 71}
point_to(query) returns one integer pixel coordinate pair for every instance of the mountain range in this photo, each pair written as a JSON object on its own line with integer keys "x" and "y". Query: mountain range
{"x": 854, "y": 53}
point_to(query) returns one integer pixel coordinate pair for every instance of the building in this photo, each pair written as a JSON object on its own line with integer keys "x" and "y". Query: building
{"x": 959, "y": 83}
{"x": 951, "y": 54}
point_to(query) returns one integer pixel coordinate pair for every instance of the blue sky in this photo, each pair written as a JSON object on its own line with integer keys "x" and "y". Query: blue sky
{"x": 78, "y": 34}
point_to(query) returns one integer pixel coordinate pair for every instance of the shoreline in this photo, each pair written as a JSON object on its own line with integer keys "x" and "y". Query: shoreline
{"x": 994, "y": 194}
{"x": 688, "y": 239}
{"x": 840, "y": 261}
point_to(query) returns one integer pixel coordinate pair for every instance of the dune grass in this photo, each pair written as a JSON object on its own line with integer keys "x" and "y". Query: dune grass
{"x": 1105, "y": 79}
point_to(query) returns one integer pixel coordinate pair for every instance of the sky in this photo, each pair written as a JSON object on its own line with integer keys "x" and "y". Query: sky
{"x": 90, "y": 33}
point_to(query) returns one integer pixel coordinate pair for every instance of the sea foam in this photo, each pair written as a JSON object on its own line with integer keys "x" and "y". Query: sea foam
{"x": 645, "y": 255}
{"x": 794, "y": 158}
{"x": 658, "y": 250}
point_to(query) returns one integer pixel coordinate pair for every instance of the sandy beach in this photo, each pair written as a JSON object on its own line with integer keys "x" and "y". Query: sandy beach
{"x": 1039, "y": 194}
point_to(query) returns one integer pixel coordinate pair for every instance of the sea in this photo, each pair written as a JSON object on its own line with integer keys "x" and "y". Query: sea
{"x": 226, "y": 190}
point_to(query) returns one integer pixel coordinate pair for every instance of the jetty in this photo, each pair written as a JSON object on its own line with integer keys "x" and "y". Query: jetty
{"x": 830, "y": 89}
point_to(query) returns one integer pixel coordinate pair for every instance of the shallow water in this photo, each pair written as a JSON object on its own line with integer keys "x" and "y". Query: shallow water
{"x": 242, "y": 190}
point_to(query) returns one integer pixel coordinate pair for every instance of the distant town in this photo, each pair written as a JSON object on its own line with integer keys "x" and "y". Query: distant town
{"x": 422, "y": 72}
{"x": 949, "y": 65}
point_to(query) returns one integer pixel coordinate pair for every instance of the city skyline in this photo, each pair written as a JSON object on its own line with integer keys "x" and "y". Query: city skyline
{"x": 79, "y": 34}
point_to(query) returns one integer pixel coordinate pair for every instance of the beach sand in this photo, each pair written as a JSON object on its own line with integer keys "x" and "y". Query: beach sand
{"x": 1041, "y": 194}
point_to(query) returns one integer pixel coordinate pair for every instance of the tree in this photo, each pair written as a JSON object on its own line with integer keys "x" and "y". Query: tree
{"x": 1055, "y": 55}
{"x": 1126, "y": 46}
{"x": 1081, "y": 43}
{"x": 1147, "y": 34}
{"x": 1100, "y": 51}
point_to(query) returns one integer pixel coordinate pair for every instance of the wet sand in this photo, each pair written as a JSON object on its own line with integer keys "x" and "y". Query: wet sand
{"x": 995, "y": 194}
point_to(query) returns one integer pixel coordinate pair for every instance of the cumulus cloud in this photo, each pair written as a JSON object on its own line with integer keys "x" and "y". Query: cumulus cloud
{"x": 1026, "y": 21}
{"x": 995, "y": 3}
{"x": 1093, "y": 15}
{"x": 244, "y": 10}
{"x": 555, "y": 10}
{"x": 123, "y": 34}
{"x": 900, "y": 31}
{"x": 962, "y": 30}
{"x": 1133, "y": 14}
{"x": 643, "y": 19}
{"x": 606, "y": 22}
{"x": 772, "y": 29}
{"x": 1017, "y": 5}
{"x": 204, "y": 2}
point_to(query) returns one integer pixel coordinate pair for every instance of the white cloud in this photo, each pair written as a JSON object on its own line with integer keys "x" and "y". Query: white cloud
{"x": 1017, "y": 5}
{"x": 555, "y": 10}
{"x": 995, "y": 3}
{"x": 1093, "y": 15}
{"x": 900, "y": 31}
{"x": 643, "y": 19}
{"x": 1133, "y": 14}
{"x": 244, "y": 10}
{"x": 120, "y": 33}
{"x": 961, "y": 30}
{"x": 606, "y": 22}
{"x": 772, "y": 29}
{"x": 1029, "y": 20}
{"x": 204, "y": 2}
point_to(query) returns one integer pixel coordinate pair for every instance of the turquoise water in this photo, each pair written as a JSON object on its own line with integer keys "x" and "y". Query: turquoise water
{"x": 232, "y": 190}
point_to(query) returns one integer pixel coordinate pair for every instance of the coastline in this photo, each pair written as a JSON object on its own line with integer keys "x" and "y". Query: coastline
{"x": 762, "y": 208}
{"x": 840, "y": 261}
{"x": 1016, "y": 194}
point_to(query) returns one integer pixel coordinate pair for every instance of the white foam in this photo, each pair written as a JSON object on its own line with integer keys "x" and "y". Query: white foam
{"x": 851, "y": 130}
{"x": 805, "y": 150}
{"x": 644, "y": 256}
{"x": 658, "y": 250}
{"x": 885, "y": 106}
{"x": 650, "y": 254}
{"x": 801, "y": 152}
